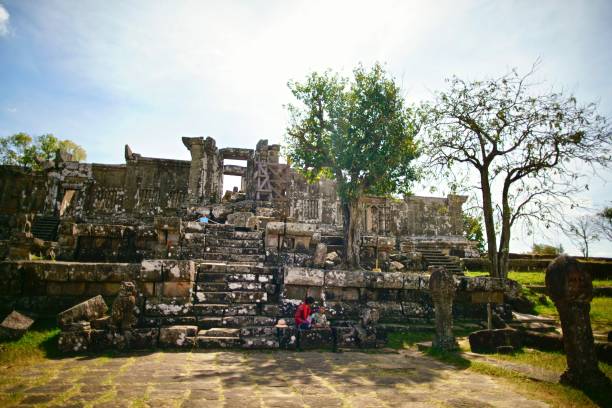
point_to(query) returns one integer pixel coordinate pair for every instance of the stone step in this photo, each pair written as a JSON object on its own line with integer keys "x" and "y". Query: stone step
{"x": 257, "y": 331}
{"x": 211, "y": 287}
{"x": 224, "y": 310}
{"x": 209, "y": 309}
{"x": 248, "y": 321}
{"x": 236, "y": 251}
{"x": 234, "y": 243}
{"x": 210, "y": 322}
{"x": 216, "y": 256}
{"x": 265, "y": 342}
{"x": 218, "y": 342}
{"x": 219, "y": 332}
{"x": 231, "y": 297}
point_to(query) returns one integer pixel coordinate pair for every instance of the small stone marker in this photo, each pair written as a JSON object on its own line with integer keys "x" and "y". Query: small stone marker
{"x": 14, "y": 326}
{"x": 571, "y": 288}
{"x": 122, "y": 312}
{"x": 442, "y": 289}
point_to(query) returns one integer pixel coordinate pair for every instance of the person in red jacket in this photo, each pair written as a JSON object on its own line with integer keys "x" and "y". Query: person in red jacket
{"x": 303, "y": 312}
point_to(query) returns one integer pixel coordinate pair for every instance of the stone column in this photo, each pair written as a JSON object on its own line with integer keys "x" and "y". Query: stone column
{"x": 571, "y": 288}
{"x": 204, "y": 173}
{"x": 442, "y": 289}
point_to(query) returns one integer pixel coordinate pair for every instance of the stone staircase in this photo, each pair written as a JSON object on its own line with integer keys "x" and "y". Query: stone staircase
{"x": 232, "y": 288}
{"x": 229, "y": 303}
{"x": 45, "y": 227}
{"x": 434, "y": 257}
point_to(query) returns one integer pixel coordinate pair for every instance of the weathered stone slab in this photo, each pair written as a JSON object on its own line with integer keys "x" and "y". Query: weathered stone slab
{"x": 177, "y": 336}
{"x": 14, "y": 325}
{"x": 316, "y": 339}
{"x": 304, "y": 276}
{"x": 355, "y": 279}
{"x": 90, "y": 309}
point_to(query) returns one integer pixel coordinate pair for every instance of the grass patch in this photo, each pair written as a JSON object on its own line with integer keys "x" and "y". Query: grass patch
{"x": 37, "y": 343}
{"x": 556, "y": 395}
{"x": 601, "y": 307}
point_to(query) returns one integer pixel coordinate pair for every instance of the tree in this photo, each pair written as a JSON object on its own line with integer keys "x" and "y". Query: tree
{"x": 603, "y": 220}
{"x": 357, "y": 132}
{"x": 22, "y": 150}
{"x": 473, "y": 231}
{"x": 583, "y": 230}
{"x": 521, "y": 150}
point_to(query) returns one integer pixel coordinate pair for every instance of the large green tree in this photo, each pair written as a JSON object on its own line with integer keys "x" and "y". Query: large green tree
{"x": 525, "y": 151}
{"x": 22, "y": 149}
{"x": 357, "y": 131}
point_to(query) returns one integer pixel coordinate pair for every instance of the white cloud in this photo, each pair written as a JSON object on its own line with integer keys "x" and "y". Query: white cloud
{"x": 4, "y": 21}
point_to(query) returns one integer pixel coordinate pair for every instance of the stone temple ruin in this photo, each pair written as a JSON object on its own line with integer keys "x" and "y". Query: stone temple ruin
{"x": 128, "y": 236}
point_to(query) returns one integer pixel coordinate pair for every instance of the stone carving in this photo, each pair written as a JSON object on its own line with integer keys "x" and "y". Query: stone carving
{"x": 571, "y": 290}
{"x": 122, "y": 311}
{"x": 442, "y": 289}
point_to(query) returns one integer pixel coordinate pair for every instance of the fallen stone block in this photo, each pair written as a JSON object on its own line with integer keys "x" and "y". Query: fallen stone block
{"x": 91, "y": 309}
{"x": 146, "y": 338}
{"x": 14, "y": 326}
{"x": 304, "y": 276}
{"x": 489, "y": 341}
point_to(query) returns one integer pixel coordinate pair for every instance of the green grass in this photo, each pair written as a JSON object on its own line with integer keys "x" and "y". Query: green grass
{"x": 601, "y": 307}
{"x": 534, "y": 278}
{"x": 37, "y": 343}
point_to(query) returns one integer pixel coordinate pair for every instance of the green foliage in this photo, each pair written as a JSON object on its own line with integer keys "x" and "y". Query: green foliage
{"x": 357, "y": 131}
{"x": 22, "y": 149}
{"x": 473, "y": 231}
{"x": 545, "y": 249}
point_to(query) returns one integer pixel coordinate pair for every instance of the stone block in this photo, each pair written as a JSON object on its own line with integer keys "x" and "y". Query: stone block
{"x": 318, "y": 260}
{"x": 488, "y": 341}
{"x": 145, "y": 338}
{"x": 415, "y": 281}
{"x": 90, "y": 309}
{"x": 304, "y": 276}
{"x": 101, "y": 323}
{"x": 356, "y": 279}
{"x": 346, "y": 337}
{"x": 177, "y": 336}
{"x": 177, "y": 289}
{"x": 179, "y": 271}
{"x": 104, "y": 289}
{"x": 161, "y": 307}
{"x": 74, "y": 341}
{"x": 14, "y": 326}
{"x": 271, "y": 310}
{"x": 299, "y": 229}
{"x": 314, "y": 339}
{"x": 416, "y": 309}
{"x": 150, "y": 271}
{"x": 66, "y": 288}
{"x": 247, "y": 309}
{"x": 239, "y": 218}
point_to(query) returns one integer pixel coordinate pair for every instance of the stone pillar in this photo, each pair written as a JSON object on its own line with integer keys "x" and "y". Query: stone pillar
{"x": 571, "y": 288}
{"x": 205, "y": 174}
{"x": 442, "y": 289}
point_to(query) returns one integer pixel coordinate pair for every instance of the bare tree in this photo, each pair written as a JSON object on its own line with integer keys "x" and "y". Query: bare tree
{"x": 604, "y": 223}
{"x": 582, "y": 230}
{"x": 521, "y": 149}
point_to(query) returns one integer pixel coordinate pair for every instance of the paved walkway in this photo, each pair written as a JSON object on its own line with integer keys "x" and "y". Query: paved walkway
{"x": 254, "y": 379}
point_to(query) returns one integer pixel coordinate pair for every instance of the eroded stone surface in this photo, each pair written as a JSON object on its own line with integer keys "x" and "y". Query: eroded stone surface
{"x": 254, "y": 379}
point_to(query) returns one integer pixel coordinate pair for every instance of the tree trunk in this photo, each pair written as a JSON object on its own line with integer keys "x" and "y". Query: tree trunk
{"x": 487, "y": 209}
{"x": 350, "y": 212}
{"x": 504, "y": 241}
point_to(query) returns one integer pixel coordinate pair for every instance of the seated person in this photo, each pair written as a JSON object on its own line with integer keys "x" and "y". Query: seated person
{"x": 302, "y": 314}
{"x": 203, "y": 219}
{"x": 319, "y": 319}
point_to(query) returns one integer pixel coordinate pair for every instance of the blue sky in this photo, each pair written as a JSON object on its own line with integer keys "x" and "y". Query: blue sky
{"x": 106, "y": 73}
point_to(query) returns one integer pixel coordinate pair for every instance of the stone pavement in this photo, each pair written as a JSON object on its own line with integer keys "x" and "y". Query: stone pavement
{"x": 254, "y": 379}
